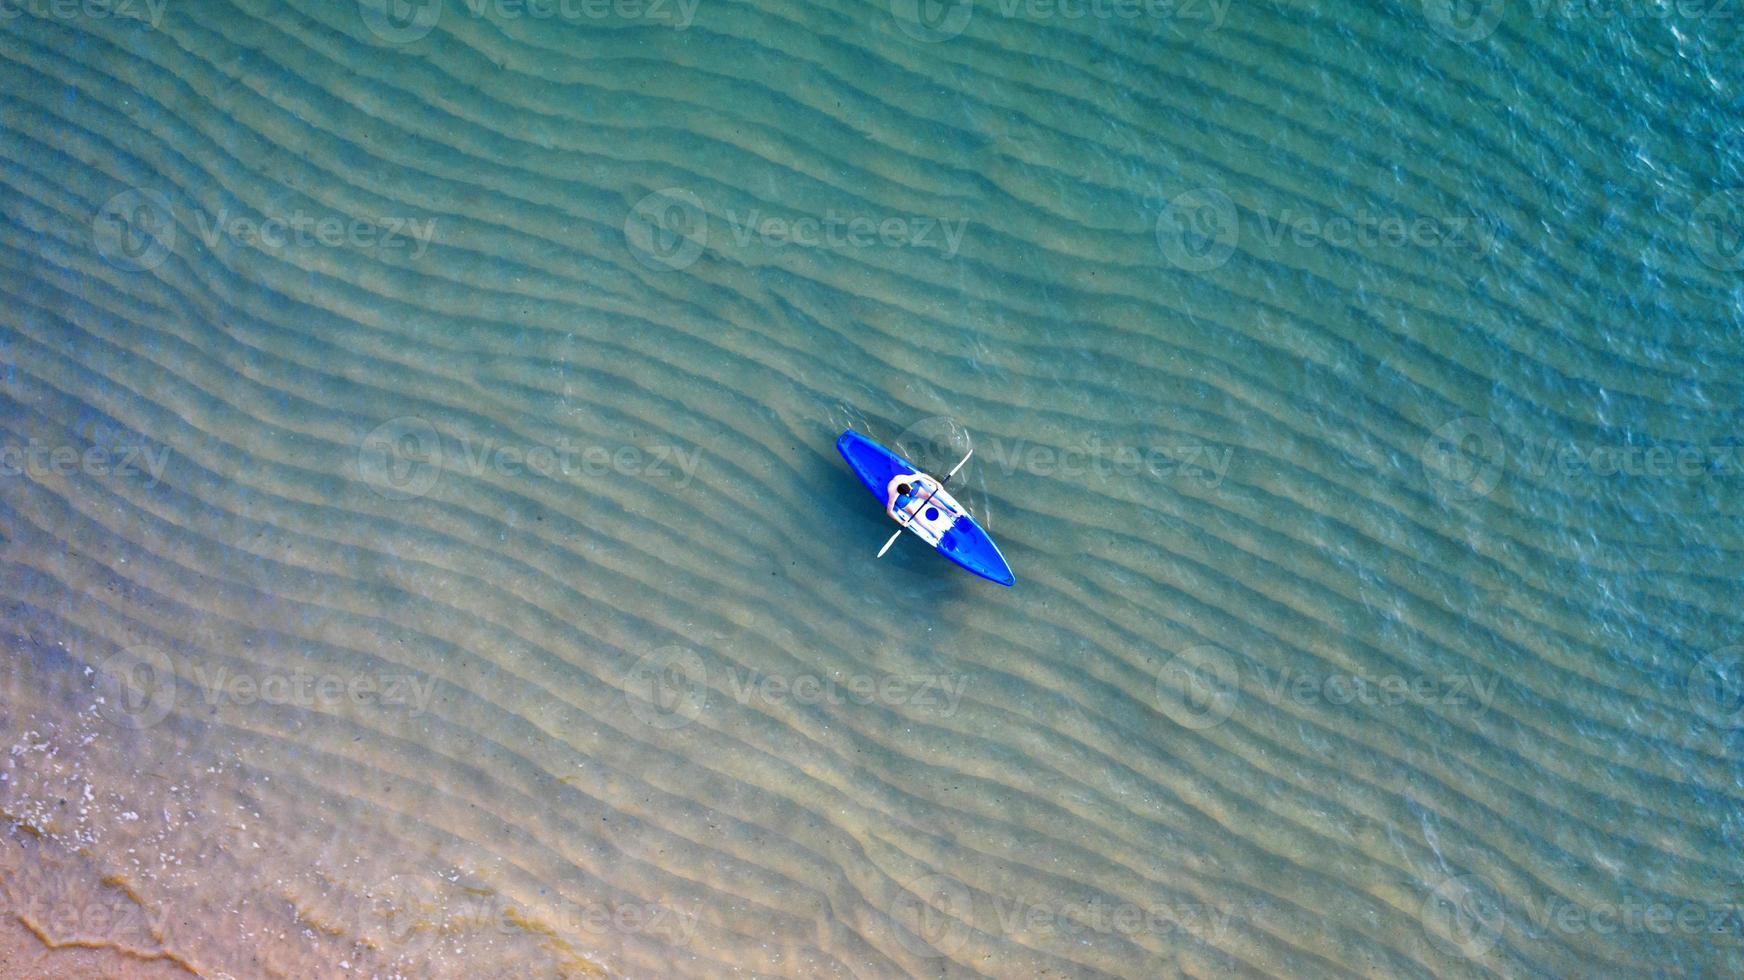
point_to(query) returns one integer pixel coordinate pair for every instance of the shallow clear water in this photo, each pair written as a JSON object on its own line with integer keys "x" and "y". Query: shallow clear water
{"x": 423, "y": 549}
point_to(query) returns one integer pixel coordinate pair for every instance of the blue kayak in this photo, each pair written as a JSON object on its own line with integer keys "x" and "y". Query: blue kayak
{"x": 919, "y": 503}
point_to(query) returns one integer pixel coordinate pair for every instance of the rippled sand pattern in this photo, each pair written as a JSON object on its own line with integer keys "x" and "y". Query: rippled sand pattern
{"x": 423, "y": 551}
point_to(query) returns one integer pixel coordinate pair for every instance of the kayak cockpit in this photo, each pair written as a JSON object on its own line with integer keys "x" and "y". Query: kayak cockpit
{"x": 919, "y": 503}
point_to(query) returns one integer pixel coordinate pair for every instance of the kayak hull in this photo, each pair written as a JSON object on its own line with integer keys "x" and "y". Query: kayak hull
{"x": 945, "y": 524}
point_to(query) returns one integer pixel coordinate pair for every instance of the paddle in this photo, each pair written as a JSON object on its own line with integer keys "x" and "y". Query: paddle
{"x": 923, "y": 502}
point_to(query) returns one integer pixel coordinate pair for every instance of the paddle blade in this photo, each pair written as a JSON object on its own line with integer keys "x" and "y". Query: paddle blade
{"x": 892, "y": 541}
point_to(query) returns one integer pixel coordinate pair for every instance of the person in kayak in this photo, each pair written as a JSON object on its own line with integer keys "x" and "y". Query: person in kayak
{"x": 908, "y": 497}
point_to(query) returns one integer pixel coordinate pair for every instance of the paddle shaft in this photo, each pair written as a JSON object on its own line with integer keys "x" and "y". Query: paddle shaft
{"x": 923, "y": 502}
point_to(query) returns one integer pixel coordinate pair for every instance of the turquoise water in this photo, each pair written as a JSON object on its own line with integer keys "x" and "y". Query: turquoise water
{"x": 424, "y": 552}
